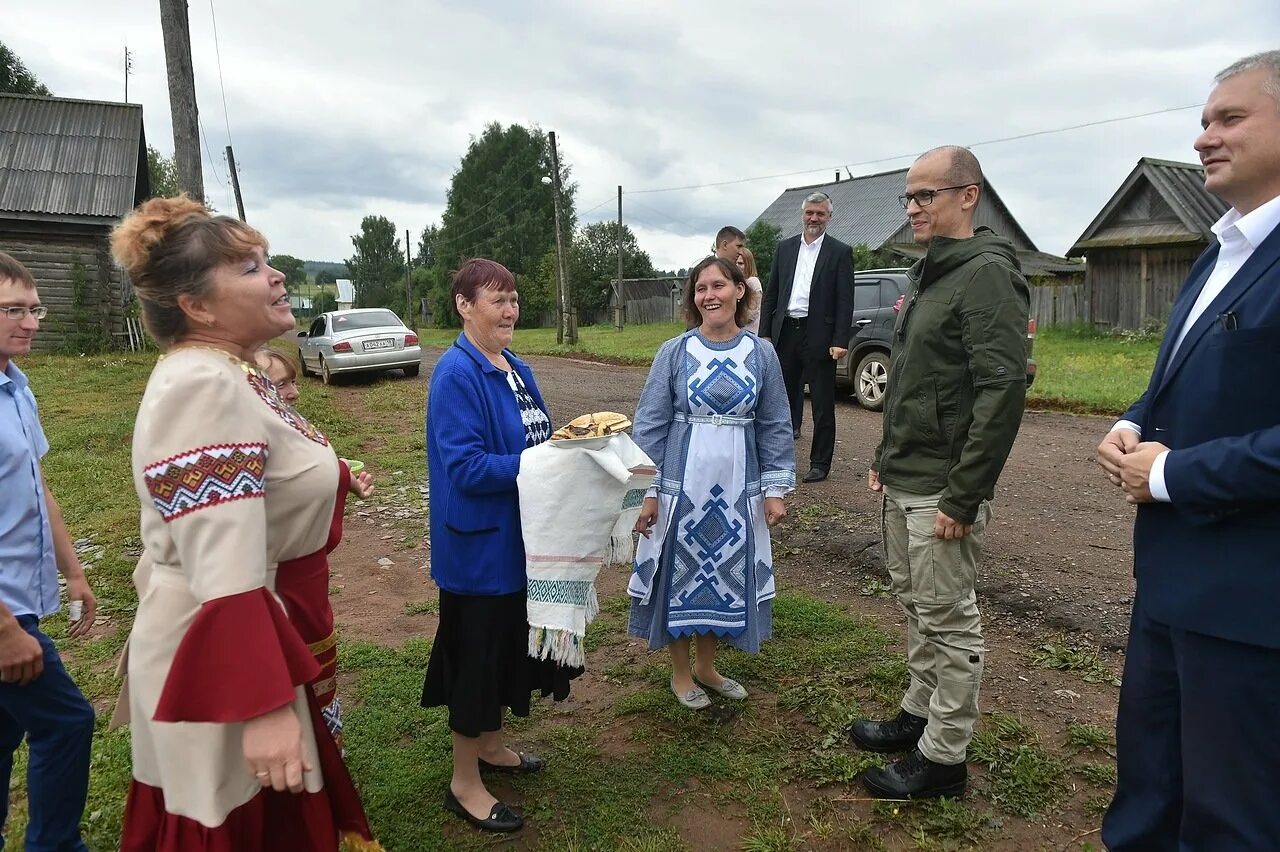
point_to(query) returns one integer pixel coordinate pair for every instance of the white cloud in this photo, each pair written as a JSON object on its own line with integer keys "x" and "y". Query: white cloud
{"x": 339, "y": 110}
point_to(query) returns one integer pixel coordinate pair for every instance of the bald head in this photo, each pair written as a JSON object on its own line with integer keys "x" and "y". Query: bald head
{"x": 962, "y": 168}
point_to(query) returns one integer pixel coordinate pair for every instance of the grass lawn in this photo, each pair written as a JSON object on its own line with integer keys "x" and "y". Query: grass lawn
{"x": 1079, "y": 369}
{"x": 1082, "y": 370}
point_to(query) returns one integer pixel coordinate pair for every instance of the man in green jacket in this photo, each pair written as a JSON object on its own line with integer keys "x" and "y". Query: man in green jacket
{"x": 957, "y": 384}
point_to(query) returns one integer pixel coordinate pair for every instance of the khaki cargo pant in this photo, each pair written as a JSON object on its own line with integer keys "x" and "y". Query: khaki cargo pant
{"x": 933, "y": 581}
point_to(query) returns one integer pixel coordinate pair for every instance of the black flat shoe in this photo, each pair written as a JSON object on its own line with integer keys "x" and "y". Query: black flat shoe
{"x": 528, "y": 763}
{"x": 501, "y": 818}
{"x": 815, "y": 474}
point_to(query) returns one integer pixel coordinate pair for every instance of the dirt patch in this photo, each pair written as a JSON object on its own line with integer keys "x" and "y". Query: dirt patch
{"x": 1057, "y": 564}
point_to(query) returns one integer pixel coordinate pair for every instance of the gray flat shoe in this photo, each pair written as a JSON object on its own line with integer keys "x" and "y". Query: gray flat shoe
{"x": 694, "y": 699}
{"x": 728, "y": 688}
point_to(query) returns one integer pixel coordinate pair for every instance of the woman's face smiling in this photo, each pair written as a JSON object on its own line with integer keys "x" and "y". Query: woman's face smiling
{"x": 716, "y": 297}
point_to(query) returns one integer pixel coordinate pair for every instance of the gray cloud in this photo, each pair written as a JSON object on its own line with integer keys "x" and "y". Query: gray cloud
{"x": 337, "y": 110}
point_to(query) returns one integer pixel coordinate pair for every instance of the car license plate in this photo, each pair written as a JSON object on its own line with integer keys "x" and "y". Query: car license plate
{"x": 379, "y": 344}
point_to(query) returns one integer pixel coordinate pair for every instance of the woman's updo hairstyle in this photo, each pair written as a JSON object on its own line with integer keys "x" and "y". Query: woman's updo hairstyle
{"x": 169, "y": 247}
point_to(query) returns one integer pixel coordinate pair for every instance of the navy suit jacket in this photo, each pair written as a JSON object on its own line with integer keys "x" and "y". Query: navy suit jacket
{"x": 830, "y": 294}
{"x": 475, "y": 436}
{"x": 1209, "y": 561}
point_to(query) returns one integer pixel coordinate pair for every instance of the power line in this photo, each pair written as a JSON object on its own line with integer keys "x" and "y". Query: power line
{"x": 212, "y": 162}
{"x": 676, "y": 219}
{"x": 846, "y": 166}
{"x": 218, "y": 52}
{"x": 596, "y": 207}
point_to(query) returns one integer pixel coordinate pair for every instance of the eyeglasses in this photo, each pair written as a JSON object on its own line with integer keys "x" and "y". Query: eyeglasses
{"x": 924, "y": 197}
{"x": 19, "y": 312}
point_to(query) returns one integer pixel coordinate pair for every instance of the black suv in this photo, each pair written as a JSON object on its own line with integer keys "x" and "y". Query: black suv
{"x": 877, "y": 297}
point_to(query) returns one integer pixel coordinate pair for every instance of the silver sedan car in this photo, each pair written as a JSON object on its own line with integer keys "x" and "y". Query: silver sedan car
{"x": 358, "y": 340}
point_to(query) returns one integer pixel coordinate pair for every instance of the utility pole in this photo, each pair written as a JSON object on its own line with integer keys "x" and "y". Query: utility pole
{"x": 408, "y": 283}
{"x": 566, "y": 329}
{"x": 617, "y": 287}
{"x": 235, "y": 182}
{"x": 182, "y": 97}
{"x": 128, "y": 66}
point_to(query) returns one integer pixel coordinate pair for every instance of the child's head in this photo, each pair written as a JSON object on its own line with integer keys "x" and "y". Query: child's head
{"x": 280, "y": 371}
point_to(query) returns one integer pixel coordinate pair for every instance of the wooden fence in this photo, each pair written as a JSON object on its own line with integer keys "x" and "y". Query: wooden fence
{"x": 1062, "y": 304}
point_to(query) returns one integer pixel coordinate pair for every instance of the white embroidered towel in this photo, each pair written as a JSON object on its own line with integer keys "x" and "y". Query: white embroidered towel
{"x": 578, "y": 503}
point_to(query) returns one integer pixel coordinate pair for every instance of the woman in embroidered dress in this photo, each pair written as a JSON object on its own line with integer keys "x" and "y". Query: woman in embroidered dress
{"x": 714, "y": 418}
{"x": 483, "y": 411}
{"x": 304, "y": 588}
{"x": 237, "y": 494}
{"x": 755, "y": 290}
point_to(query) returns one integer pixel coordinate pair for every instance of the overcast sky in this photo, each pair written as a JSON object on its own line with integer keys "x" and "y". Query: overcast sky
{"x": 341, "y": 109}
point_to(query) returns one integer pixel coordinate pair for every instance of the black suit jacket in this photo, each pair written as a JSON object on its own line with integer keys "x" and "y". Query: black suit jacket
{"x": 830, "y": 294}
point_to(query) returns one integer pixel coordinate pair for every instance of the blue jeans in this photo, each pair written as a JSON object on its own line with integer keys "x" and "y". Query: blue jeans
{"x": 57, "y": 722}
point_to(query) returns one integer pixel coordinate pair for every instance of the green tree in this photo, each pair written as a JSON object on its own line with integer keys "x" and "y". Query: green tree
{"x": 498, "y": 207}
{"x": 538, "y": 291}
{"x": 15, "y": 78}
{"x": 294, "y": 275}
{"x": 324, "y": 276}
{"x": 324, "y": 302}
{"x": 377, "y": 267}
{"x": 865, "y": 258}
{"x": 762, "y": 239}
{"x": 594, "y": 263}
{"x": 164, "y": 174}
{"x": 427, "y": 243}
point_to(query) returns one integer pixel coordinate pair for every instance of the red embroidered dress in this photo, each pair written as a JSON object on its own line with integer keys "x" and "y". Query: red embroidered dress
{"x": 239, "y": 503}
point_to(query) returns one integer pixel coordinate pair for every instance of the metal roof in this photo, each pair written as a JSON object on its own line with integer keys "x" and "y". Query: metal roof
{"x": 1180, "y": 186}
{"x": 64, "y": 158}
{"x": 867, "y": 211}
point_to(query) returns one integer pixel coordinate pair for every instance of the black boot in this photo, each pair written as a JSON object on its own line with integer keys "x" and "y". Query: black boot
{"x": 897, "y": 734}
{"x": 916, "y": 777}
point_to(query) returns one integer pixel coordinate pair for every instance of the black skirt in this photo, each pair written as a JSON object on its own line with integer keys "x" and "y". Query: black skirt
{"x": 480, "y": 663}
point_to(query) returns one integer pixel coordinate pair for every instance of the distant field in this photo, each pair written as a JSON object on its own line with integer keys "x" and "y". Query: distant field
{"x": 1079, "y": 369}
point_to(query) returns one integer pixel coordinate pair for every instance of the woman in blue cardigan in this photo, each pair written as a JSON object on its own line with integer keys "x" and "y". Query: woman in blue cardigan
{"x": 483, "y": 410}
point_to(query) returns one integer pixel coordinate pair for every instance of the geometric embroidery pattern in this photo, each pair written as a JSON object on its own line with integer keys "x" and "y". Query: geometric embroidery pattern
{"x": 571, "y": 592}
{"x": 537, "y": 426}
{"x": 207, "y": 476}
{"x": 723, "y": 390}
{"x": 713, "y": 531}
{"x": 265, "y": 389}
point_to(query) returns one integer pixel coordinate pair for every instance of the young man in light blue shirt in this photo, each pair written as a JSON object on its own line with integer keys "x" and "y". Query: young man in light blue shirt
{"x": 38, "y": 700}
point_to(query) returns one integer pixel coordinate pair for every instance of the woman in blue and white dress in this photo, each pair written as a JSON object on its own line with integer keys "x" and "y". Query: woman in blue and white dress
{"x": 714, "y": 418}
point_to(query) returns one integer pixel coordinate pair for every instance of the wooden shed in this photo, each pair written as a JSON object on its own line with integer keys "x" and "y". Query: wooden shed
{"x": 1141, "y": 245}
{"x": 69, "y": 170}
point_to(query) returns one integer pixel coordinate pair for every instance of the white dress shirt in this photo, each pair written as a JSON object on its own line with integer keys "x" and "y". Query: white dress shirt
{"x": 806, "y": 260}
{"x": 1238, "y": 237}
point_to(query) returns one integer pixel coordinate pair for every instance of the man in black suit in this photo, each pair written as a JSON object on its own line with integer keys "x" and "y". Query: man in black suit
{"x": 807, "y": 311}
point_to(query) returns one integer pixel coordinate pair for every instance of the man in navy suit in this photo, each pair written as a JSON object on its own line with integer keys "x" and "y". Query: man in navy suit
{"x": 807, "y": 311}
{"x": 1198, "y": 729}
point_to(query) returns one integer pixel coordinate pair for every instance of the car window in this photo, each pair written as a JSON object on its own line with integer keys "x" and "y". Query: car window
{"x": 317, "y": 328}
{"x": 891, "y": 289}
{"x": 866, "y": 295}
{"x": 372, "y": 319}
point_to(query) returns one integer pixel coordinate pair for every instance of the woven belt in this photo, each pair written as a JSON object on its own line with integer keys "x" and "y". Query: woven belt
{"x": 714, "y": 419}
